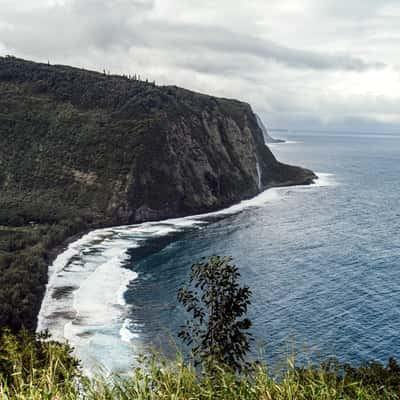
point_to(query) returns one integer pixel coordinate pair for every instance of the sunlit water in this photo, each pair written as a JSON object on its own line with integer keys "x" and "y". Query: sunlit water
{"x": 322, "y": 262}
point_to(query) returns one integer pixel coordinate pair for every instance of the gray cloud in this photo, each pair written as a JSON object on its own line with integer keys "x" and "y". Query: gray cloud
{"x": 229, "y": 42}
{"x": 100, "y": 24}
{"x": 73, "y": 27}
{"x": 355, "y": 8}
{"x": 286, "y": 57}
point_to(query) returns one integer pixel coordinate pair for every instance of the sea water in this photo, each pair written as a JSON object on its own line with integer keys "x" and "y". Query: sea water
{"x": 322, "y": 262}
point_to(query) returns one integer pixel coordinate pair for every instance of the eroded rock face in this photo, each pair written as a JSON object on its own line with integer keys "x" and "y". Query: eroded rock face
{"x": 207, "y": 160}
{"x": 115, "y": 151}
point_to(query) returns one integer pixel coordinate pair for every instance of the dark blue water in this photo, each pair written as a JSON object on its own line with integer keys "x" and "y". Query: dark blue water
{"x": 323, "y": 263}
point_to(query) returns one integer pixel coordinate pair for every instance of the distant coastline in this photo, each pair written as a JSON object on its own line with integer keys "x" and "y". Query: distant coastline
{"x": 267, "y": 137}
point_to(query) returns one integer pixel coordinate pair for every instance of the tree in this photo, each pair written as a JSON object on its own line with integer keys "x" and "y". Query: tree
{"x": 218, "y": 330}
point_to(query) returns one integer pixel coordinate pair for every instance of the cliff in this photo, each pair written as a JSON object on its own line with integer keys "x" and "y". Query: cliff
{"x": 115, "y": 150}
{"x": 81, "y": 149}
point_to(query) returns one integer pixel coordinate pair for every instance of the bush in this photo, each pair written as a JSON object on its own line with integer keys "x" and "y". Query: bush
{"x": 218, "y": 329}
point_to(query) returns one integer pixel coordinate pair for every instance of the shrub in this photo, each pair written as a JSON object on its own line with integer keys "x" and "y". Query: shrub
{"x": 218, "y": 330}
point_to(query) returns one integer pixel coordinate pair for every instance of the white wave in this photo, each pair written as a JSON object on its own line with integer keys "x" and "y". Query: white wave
{"x": 101, "y": 289}
{"x": 126, "y": 332}
{"x": 84, "y": 301}
{"x": 66, "y": 266}
{"x": 325, "y": 179}
{"x": 85, "y": 290}
{"x": 278, "y": 144}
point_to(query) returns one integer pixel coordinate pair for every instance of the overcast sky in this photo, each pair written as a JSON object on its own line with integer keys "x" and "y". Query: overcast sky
{"x": 300, "y": 63}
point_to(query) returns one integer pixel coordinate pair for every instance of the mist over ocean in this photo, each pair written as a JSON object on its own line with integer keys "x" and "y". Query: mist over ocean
{"x": 322, "y": 262}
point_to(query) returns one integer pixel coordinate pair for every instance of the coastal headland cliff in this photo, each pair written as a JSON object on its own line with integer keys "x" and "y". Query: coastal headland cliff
{"x": 81, "y": 149}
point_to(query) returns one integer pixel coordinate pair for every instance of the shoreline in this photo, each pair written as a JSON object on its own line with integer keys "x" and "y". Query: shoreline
{"x": 78, "y": 316}
{"x": 54, "y": 252}
{"x": 180, "y": 222}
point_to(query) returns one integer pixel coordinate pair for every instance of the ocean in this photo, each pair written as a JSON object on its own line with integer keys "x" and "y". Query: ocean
{"x": 322, "y": 262}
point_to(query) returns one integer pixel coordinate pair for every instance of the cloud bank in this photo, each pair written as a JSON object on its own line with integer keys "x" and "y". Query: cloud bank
{"x": 296, "y": 61}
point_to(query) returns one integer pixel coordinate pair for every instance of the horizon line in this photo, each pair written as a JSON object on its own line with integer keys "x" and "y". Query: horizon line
{"x": 303, "y": 130}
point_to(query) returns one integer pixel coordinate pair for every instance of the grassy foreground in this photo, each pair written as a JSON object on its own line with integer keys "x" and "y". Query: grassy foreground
{"x": 37, "y": 369}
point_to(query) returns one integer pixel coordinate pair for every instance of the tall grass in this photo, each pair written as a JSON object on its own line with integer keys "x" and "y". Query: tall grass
{"x": 178, "y": 380}
{"x": 37, "y": 369}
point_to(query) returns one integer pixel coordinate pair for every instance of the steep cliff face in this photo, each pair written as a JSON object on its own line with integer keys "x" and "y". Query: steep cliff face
{"x": 114, "y": 150}
{"x": 211, "y": 157}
